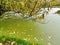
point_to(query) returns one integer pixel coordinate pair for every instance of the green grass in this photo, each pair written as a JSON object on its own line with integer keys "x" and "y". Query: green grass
{"x": 4, "y": 40}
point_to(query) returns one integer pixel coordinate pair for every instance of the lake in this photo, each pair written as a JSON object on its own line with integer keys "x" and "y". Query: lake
{"x": 47, "y": 33}
{"x": 51, "y": 31}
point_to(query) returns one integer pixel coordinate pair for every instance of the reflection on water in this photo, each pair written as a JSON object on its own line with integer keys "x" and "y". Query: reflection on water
{"x": 51, "y": 15}
{"x": 51, "y": 31}
{"x": 53, "y": 10}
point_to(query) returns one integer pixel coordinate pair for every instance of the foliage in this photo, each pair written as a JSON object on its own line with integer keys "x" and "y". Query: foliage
{"x": 27, "y": 8}
{"x": 4, "y": 39}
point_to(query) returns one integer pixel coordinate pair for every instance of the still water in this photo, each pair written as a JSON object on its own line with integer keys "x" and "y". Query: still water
{"x": 50, "y": 32}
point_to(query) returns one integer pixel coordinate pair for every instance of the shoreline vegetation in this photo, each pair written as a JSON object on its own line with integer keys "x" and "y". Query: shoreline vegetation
{"x": 58, "y": 12}
{"x": 26, "y": 6}
{"x": 15, "y": 12}
{"x": 14, "y": 41}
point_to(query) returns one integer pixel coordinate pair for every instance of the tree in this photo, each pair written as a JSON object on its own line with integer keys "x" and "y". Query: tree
{"x": 27, "y": 8}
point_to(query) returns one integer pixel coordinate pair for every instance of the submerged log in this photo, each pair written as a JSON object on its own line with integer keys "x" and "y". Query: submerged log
{"x": 58, "y": 12}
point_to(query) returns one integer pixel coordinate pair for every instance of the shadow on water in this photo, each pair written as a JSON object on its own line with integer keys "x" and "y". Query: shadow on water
{"x": 34, "y": 31}
{"x": 50, "y": 32}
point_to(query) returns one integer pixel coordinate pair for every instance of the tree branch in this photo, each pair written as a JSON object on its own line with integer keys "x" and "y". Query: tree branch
{"x": 33, "y": 8}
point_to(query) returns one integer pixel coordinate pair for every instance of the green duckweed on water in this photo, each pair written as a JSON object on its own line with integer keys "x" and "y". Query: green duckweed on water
{"x": 25, "y": 32}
